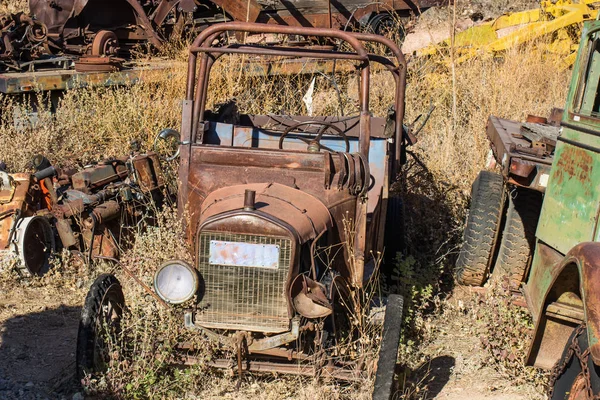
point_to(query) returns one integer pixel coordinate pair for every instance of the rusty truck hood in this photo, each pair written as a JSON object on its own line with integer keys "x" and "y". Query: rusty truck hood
{"x": 304, "y": 212}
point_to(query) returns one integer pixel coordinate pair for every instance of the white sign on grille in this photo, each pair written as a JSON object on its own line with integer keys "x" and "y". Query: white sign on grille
{"x": 244, "y": 254}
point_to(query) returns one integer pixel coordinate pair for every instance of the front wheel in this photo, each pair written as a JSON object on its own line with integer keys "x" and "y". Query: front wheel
{"x": 388, "y": 354}
{"x": 575, "y": 376}
{"x": 100, "y": 325}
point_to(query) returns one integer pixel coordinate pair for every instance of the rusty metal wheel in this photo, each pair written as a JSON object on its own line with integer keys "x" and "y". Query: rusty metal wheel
{"x": 105, "y": 43}
{"x": 385, "y": 378}
{"x": 575, "y": 376}
{"x": 100, "y": 325}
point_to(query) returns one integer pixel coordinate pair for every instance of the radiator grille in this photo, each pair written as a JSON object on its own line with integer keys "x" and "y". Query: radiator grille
{"x": 244, "y": 297}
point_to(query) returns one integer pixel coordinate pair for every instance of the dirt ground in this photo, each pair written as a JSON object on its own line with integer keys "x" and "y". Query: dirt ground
{"x": 38, "y": 331}
{"x": 458, "y": 368}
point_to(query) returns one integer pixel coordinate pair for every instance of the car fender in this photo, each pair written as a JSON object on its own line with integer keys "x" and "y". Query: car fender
{"x": 578, "y": 274}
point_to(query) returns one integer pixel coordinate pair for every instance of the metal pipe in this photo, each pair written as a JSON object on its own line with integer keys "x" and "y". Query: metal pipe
{"x": 198, "y": 108}
{"x": 273, "y": 367}
{"x": 249, "y": 200}
{"x": 204, "y": 94}
{"x": 280, "y": 29}
{"x": 279, "y": 51}
{"x": 400, "y": 89}
{"x": 207, "y": 36}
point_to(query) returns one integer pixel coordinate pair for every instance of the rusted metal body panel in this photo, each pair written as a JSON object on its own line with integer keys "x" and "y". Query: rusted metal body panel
{"x": 322, "y": 14}
{"x": 572, "y": 296}
{"x": 16, "y": 199}
{"x": 307, "y": 215}
{"x": 521, "y": 163}
{"x": 572, "y": 195}
{"x": 64, "y": 79}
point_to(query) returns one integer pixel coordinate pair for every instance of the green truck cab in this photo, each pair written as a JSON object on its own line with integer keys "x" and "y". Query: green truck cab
{"x": 536, "y": 223}
{"x": 563, "y": 287}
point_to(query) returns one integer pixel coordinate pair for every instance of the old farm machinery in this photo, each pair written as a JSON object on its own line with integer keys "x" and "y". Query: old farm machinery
{"x": 96, "y": 35}
{"x": 90, "y": 212}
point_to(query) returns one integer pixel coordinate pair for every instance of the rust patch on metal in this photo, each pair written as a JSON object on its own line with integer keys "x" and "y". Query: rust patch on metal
{"x": 575, "y": 163}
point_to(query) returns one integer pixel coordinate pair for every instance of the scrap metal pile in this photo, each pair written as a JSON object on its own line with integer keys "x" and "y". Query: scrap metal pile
{"x": 552, "y": 19}
{"x": 95, "y": 35}
{"x": 91, "y": 212}
{"x": 100, "y": 31}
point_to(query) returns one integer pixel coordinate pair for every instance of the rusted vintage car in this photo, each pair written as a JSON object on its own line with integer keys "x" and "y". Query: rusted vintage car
{"x": 266, "y": 194}
{"x": 561, "y": 287}
{"x": 87, "y": 211}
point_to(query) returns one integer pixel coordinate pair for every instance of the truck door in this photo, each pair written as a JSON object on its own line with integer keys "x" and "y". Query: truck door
{"x": 570, "y": 210}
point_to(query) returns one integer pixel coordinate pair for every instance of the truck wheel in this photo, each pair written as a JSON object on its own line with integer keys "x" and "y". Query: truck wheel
{"x": 385, "y": 384}
{"x": 99, "y": 325}
{"x": 518, "y": 236}
{"x": 481, "y": 230}
{"x": 394, "y": 232}
{"x": 570, "y": 381}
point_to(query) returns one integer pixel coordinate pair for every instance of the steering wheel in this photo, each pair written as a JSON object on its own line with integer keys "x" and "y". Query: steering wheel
{"x": 314, "y": 145}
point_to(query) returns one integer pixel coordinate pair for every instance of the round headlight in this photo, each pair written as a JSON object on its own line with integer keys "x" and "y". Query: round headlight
{"x": 176, "y": 282}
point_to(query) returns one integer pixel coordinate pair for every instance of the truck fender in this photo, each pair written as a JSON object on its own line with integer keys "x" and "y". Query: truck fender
{"x": 576, "y": 283}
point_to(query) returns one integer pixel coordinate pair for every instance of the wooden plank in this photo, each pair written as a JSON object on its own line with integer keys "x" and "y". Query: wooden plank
{"x": 540, "y": 133}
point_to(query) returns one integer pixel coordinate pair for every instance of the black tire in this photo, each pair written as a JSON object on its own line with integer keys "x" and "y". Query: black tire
{"x": 568, "y": 379}
{"x": 100, "y": 320}
{"x": 385, "y": 384}
{"x": 385, "y": 24}
{"x": 481, "y": 230}
{"x": 394, "y": 239}
{"x": 518, "y": 236}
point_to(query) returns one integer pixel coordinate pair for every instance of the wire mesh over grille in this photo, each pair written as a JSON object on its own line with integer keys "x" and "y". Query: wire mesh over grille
{"x": 244, "y": 297}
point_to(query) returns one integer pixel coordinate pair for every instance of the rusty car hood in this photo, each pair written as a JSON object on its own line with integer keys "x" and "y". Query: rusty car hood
{"x": 304, "y": 212}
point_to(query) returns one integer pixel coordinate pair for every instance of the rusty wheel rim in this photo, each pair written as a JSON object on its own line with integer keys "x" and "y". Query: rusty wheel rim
{"x": 104, "y": 43}
{"x": 578, "y": 389}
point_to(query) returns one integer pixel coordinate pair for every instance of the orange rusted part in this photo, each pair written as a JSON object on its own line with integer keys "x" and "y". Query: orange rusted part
{"x": 578, "y": 390}
{"x": 536, "y": 119}
{"x": 46, "y": 195}
{"x": 24, "y": 199}
{"x": 577, "y": 273}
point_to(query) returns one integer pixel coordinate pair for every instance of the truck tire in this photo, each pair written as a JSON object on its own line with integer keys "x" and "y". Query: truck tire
{"x": 569, "y": 382}
{"x": 518, "y": 236}
{"x": 385, "y": 386}
{"x": 481, "y": 230}
{"x": 100, "y": 321}
{"x": 394, "y": 239}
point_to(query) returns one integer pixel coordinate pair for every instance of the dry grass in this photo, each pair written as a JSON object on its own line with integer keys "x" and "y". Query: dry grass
{"x": 13, "y": 6}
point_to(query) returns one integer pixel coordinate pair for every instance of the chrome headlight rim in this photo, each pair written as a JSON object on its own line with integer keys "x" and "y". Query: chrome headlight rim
{"x": 193, "y": 274}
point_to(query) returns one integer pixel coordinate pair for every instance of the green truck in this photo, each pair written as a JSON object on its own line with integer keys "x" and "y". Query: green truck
{"x": 560, "y": 279}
